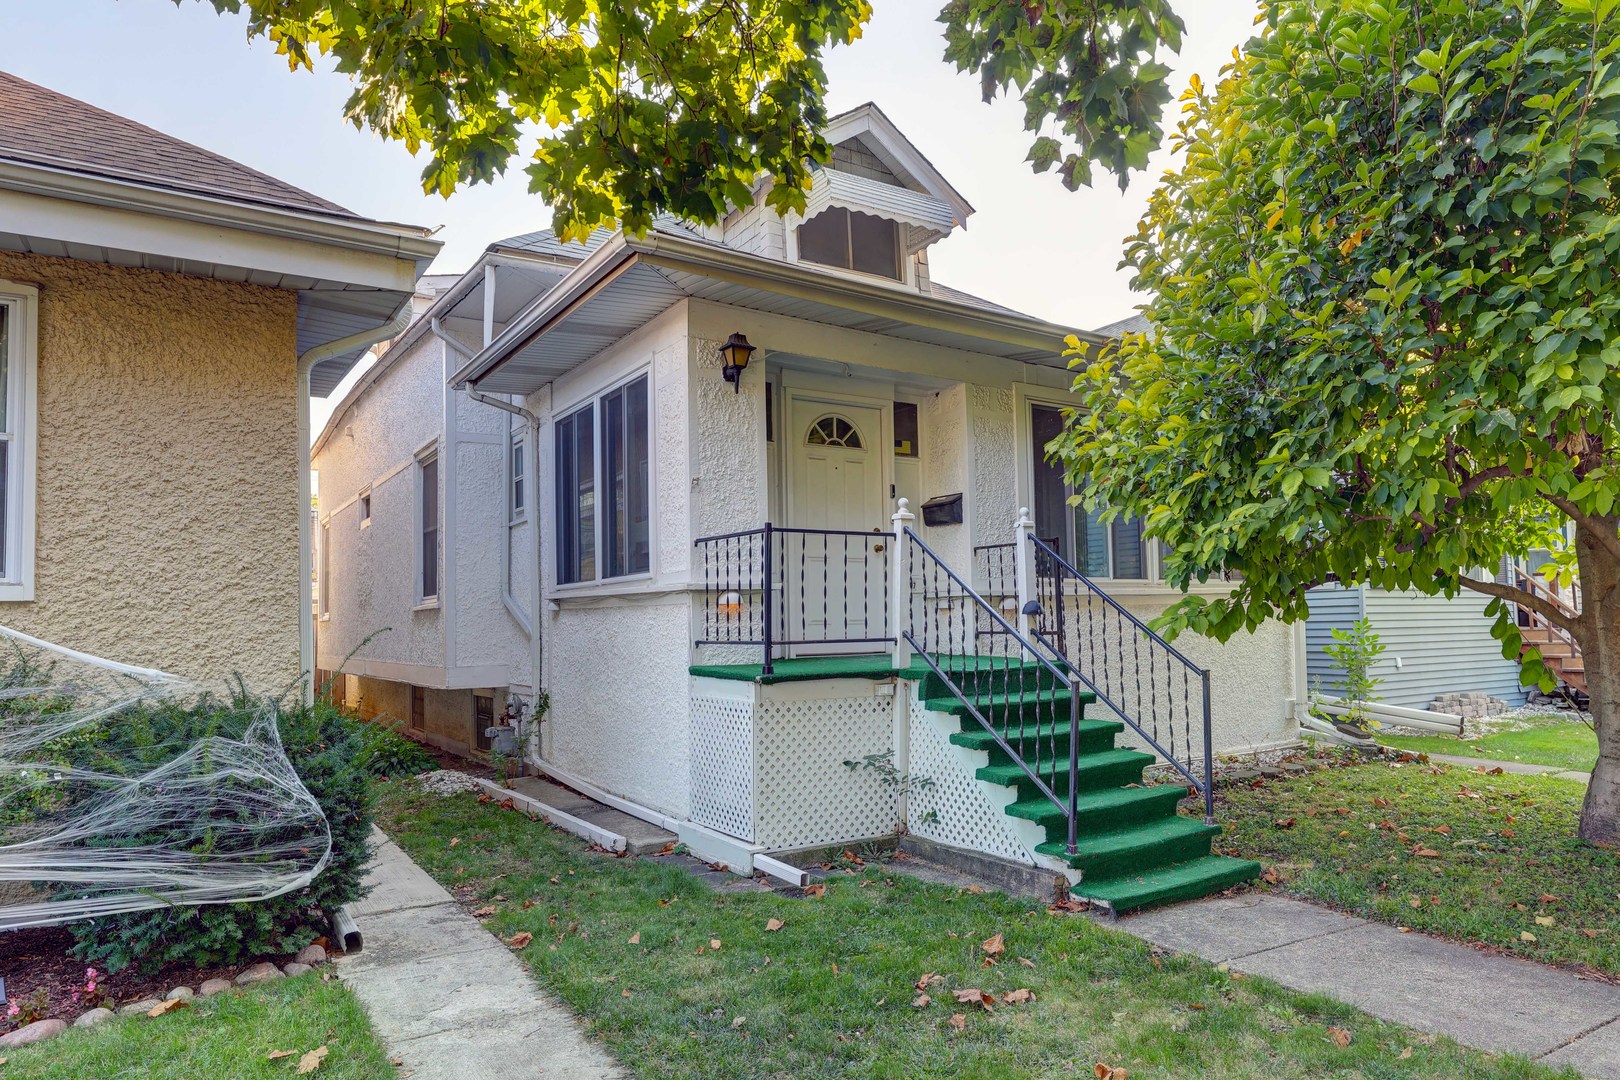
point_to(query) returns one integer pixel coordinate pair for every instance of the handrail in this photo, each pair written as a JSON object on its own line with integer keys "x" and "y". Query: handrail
{"x": 1114, "y": 669}
{"x": 980, "y": 664}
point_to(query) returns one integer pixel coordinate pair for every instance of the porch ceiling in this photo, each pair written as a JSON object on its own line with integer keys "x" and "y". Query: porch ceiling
{"x": 628, "y": 281}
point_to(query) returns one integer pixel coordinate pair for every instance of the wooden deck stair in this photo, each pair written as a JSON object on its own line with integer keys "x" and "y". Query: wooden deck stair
{"x": 1134, "y": 849}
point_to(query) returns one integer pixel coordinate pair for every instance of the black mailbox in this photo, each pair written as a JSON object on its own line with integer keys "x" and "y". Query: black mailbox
{"x": 943, "y": 510}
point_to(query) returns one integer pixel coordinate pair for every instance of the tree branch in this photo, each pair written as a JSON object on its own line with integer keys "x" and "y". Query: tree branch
{"x": 1607, "y": 538}
{"x": 1545, "y": 608}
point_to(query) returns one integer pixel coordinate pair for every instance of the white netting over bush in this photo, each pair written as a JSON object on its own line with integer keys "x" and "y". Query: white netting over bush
{"x": 124, "y": 789}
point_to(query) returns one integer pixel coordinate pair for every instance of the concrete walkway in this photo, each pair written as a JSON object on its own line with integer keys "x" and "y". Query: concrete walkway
{"x": 447, "y": 997}
{"x": 1519, "y": 768}
{"x": 1488, "y": 1002}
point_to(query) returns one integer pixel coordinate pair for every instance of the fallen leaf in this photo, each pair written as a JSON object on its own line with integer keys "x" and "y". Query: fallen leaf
{"x": 1442, "y": 829}
{"x": 1494, "y": 772}
{"x": 975, "y": 890}
{"x": 1547, "y": 898}
{"x": 928, "y": 977}
{"x": 1404, "y": 1054}
{"x": 527, "y": 904}
{"x": 1284, "y": 823}
{"x": 1340, "y": 1037}
{"x": 773, "y": 925}
{"x": 835, "y": 969}
{"x": 484, "y": 912}
{"x": 714, "y": 943}
{"x": 1525, "y": 935}
{"x": 993, "y": 946}
{"x": 1026, "y": 961}
{"x": 815, "y": 890}
{"x": 454, "y": 840}
{"x": 635, "y": 938}
{"x": 1195, "y": 1005}
{"x": 1545, "y": 920}
{"x": 1108, "y": 1072}
{"x": 1021, "y": 996}
{"x": 275, "y": 1055}
{"x": 624, "y": 993}
{"x": 520, "y": 940}
{"x": 921, "y": 1001}
{"x": 1270, "y": 877}
{"x": 310, "y": 1061}
{"x": 165, "y": 1007}
{"x": 1425, "y": 853}
{"x": 975, "y": 996}
{"x": 1508, "y": 834}
{"x": 958, "y": 1021}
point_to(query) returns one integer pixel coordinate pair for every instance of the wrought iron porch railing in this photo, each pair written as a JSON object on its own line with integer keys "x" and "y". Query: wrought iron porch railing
{"x": 1008, "y": 685}
{"x": 775, "y": 587}
{"x": 1146, "y": 682}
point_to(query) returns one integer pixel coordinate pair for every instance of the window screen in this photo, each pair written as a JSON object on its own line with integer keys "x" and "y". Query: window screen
{"x": 430, "y": 527}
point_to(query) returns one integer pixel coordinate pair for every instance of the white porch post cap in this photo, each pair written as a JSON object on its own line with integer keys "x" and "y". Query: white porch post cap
{"x": 902, "y": 511}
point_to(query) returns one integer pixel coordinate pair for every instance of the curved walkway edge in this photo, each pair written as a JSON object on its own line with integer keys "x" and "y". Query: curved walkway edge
{"x": 446, "y": 997}
{"x": 1493, "y": 1003}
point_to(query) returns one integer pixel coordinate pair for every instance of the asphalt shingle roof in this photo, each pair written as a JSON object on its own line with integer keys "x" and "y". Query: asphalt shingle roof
{"x": 39, "y": 126}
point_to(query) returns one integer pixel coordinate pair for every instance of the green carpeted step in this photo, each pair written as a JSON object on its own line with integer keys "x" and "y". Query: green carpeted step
{"x": 1136, "y": 848}
{"x": 1095, "y": 735}
{"x": 1030, "y": 706}
{"x": 1101, "y": 811}
{"x": 991, "y": 675}
{"x": 1111, "y": 768}
{"x": 1165, "y": 885}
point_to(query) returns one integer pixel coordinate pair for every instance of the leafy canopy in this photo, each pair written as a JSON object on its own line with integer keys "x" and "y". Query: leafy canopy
{"x": 1385, "y": 340}
{"x": 683, "y": 106}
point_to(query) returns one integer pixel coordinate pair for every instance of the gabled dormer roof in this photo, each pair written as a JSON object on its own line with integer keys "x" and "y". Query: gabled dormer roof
{"x": 880, "y": 137}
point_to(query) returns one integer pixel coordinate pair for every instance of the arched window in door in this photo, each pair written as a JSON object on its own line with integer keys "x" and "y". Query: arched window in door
{"x": 834, "y": 430}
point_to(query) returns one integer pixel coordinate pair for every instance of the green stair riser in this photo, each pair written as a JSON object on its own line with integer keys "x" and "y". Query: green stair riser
{"x": 1101, "y": 814}
{"x": 1001, "y": 714}
{"x": 1179, "y": 845}
{"x": 993, "y": 680}
{"x": 1097, "y": 771}
{"x": 1167, "y": 885}
{"x": 1096, "y": 736}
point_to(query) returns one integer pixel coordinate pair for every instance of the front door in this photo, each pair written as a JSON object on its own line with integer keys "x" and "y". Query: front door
{"x": 834, "y": 587}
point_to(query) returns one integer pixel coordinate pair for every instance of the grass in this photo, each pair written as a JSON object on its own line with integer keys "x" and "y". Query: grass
{"x": 1558, "y": 739}
{"x": 230, "y": 1034}
{"x": 630, "y": 945}
{"x": 1449, "y": 851}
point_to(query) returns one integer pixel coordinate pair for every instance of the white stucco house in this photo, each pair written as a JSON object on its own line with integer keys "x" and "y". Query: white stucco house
{"x": 746, "y": 502}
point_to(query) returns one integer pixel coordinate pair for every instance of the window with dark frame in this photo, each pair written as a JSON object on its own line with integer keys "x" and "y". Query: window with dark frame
{"x": 428, "y": 481}
{"x": 365, "y": 508}
{"x": 851, "y": 240}
{"x": 905, "y": 429}
{"x": 1114, "y": 550}
{"x": 614, "y": 430}
{"x": 483, "y": 719}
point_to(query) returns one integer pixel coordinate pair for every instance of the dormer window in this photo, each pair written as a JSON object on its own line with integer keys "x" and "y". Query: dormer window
{"x": 851, "y": 240}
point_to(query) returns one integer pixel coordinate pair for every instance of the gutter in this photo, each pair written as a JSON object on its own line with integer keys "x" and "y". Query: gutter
{"x": 306, "y": 547}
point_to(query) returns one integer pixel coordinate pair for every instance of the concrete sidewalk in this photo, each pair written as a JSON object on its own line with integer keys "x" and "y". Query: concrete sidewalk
{"x": 1520, "y": 768}
{"x": 447, "y": 997}
{"x": 1488, "y": 1002}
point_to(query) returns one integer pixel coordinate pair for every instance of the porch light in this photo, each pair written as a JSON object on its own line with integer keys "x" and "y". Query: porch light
{"x": 730, "y": 604}
{"x": 735, "y": 353}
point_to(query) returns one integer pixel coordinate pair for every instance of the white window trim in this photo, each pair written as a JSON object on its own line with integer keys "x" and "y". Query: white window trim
{"x": 324, "y": 571}
{"x": 427, "y": 453}
{"x": 17, "y": 584}
{"x": 593, "y": 401}
{"x": 517, "y": 442}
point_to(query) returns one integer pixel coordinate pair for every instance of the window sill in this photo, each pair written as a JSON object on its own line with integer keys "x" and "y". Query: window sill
{"x": 324, "y": 618}
{"x": 17, "y": 593}
{"x": 638, "y": 586}
{"x": 365, "y": 524}
{"x": 431, "y": 604}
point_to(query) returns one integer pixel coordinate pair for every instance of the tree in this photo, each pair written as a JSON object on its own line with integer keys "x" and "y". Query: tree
{"x": 1385, "y": 337}
{"x": 682, "y": 107}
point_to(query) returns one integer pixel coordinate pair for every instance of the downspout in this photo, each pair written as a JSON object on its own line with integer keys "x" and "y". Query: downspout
{"x": 530, "y": 624}
{"x": 306, "y": 540}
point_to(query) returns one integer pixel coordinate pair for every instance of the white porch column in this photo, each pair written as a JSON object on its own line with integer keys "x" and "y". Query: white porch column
{"x": 1023, "y": 564}
{"x": 900, "y": 586}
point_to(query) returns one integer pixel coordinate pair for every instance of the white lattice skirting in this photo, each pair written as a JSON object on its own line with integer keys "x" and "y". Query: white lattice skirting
{"x": 965, "y": 812}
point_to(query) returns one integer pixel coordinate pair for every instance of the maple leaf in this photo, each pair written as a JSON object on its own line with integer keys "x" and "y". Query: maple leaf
{"x": 773, "y": 925}
{"x": 311, "y": 1061}
{"x": 815, "y": 890}
{"x": 1108, "y": 1072}
{"x": 1340, "y": 1037}
{"x": 993, "y": 946}
{"x": 975, "y": 996}
{"x": 921, "y": 1001}
{"x": 520, "y": 940}
{"x": 1023, "y": 995}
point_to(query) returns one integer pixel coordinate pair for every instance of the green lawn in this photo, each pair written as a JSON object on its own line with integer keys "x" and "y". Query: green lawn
{"x": 227, "y": 1035}
{"x": 1449, "y": 851}
{"x": 1558, "y": 739}
{"x": 682, "y": 981}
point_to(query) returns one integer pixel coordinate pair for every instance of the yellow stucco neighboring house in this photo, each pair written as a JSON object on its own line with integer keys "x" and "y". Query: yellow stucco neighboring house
{"x": 165, "y": 315}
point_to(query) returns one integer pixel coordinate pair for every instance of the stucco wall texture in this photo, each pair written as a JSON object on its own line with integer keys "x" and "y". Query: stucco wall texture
{"x": 167, "y": 503}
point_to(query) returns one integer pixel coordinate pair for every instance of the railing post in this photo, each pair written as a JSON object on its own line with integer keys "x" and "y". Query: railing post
{"x": 1209, "y": 759}
{"x": 1074, "y": 763}
{"x": 1024, "y": 565}
{"x": 765, "y": 599}
{"x": 900, "y": 587}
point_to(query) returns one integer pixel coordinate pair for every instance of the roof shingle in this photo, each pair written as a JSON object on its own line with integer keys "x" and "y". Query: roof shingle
{"x": 39, "y": 126}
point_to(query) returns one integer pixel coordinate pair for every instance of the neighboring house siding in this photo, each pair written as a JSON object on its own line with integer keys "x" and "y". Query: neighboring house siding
{"x": 1442, "y": 645}
{"x": 167, "y": 504}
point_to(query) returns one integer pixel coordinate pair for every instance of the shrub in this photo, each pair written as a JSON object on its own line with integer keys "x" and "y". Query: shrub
{"x": 385, "y": 751}
{"x": 325, "y": 747}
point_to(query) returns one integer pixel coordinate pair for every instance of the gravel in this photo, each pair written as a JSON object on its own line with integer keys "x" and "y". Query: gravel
{"x": 447, "y": 782}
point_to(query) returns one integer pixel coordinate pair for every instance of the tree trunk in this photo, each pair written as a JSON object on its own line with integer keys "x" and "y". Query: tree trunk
{"x": 1600, "y": 652}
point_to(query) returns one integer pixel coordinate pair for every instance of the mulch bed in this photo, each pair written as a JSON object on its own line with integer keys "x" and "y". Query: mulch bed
{"x": 36, "y": 958}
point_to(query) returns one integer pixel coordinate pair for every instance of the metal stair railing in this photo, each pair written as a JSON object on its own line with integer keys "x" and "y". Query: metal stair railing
{"x": 1143, "y": 679}
{"x": 1002, "y": 682}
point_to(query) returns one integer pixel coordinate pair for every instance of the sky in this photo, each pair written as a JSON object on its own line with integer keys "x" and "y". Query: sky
{"x": 1031, "y": 245}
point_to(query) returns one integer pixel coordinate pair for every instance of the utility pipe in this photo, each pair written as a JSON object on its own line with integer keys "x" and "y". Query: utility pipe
{"x": 306, "y": 541}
